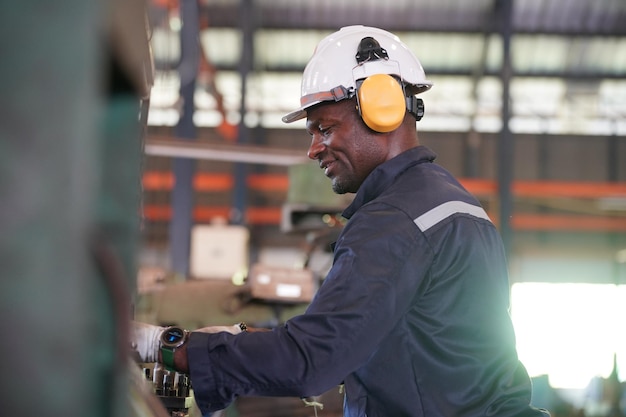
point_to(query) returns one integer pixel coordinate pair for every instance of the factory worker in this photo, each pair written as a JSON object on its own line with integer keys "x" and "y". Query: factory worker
{"x": 413, "y": 317}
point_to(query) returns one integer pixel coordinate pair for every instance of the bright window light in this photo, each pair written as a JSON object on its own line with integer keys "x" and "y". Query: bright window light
{"x": 569, "y": 332}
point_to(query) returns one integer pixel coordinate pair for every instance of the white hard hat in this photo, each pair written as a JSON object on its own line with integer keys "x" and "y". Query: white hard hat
{"x": 333, "y": 70}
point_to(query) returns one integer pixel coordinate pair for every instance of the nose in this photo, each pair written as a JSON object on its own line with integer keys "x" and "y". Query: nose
{"x": 316, "y": 147}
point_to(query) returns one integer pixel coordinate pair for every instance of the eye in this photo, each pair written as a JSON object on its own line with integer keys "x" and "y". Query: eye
{"x": 319, "y": 129}
{"x": 324, "y": 131}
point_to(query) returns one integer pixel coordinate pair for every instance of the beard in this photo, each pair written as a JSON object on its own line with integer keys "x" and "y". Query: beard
{"x": 338, "y": 188}
{"x": 344, "y": 185}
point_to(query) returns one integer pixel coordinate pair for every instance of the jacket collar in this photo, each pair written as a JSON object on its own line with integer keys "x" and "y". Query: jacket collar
{"x": 385, "y": 174}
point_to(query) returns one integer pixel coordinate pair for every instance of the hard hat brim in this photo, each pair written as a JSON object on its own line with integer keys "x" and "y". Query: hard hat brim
{"x": 298, "y": 114}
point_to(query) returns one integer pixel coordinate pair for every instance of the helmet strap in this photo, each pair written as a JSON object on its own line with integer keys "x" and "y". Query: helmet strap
{"x": 415, "y": 106}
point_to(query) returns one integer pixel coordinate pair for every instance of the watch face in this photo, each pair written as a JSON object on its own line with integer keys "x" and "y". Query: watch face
{"x": 173, "y": 337}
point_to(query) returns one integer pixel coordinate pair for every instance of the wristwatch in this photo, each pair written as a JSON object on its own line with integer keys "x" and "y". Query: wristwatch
{"x": 171, "y": 339}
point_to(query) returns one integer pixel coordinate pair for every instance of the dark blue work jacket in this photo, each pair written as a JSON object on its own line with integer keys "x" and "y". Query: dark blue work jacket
{"x": 412, "y": 317}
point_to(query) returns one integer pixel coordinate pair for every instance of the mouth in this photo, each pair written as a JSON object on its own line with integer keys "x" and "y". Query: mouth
{"x": 326, "y": 166}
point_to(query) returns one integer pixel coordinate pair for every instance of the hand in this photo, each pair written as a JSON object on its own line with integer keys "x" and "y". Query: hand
{"x": 145, "y": 341}
{"x": 234, "y": 329}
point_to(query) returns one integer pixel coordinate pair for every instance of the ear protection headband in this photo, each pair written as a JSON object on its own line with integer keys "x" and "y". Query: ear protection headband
{"x": 381, "y": 98}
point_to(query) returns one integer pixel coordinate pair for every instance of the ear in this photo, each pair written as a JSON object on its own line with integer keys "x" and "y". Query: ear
{"x": 381, "y": 103}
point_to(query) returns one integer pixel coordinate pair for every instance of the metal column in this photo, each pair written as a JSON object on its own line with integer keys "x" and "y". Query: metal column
{"x": 184, "y": 168}
{"x": 504, "y": 15}
{"x": 240, "y": 193}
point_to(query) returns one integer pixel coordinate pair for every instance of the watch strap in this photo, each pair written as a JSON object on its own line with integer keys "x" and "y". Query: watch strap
{"x": 167, "y": 357}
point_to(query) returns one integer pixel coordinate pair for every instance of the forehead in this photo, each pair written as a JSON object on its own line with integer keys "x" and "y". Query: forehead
{"x": 329, "y": 111}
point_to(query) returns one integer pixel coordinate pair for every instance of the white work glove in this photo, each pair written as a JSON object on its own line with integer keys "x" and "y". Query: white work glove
{"x": 145, "y": 341}
{"x": 145, "y": 338}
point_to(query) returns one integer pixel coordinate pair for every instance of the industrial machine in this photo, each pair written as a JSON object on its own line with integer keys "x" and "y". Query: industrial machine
{"x": 173, "y": 389}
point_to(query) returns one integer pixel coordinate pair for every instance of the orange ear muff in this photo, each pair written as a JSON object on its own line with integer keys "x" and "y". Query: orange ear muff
{"x": 381, "y": 102}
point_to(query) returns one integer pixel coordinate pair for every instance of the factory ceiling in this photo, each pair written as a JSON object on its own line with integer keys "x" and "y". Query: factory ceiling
{"x": 568, "y": 59}
{"x": 564, "y": 17}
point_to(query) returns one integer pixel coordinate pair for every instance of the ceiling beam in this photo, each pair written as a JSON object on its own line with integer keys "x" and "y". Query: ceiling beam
{"x": 606, "y": 22}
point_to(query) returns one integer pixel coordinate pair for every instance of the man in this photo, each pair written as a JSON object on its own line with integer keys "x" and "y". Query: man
{"x": 413, "y": 315}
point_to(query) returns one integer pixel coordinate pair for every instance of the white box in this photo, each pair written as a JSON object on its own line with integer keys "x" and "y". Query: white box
{"x": 218, "y": 251}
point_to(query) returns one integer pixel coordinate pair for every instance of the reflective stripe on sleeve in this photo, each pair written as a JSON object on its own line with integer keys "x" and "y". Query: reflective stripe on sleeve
{"x": 445, "y": 210}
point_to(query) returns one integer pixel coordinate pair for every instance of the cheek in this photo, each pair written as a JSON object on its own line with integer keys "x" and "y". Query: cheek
{"x": 364, "y": 154}
{"x": 354, "y": 141}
